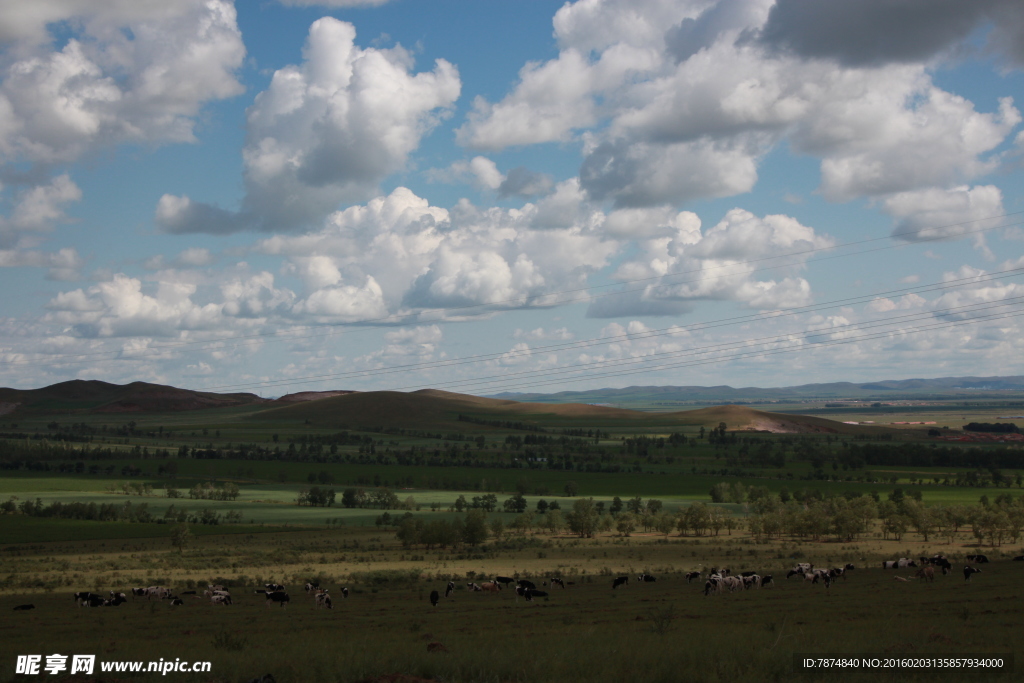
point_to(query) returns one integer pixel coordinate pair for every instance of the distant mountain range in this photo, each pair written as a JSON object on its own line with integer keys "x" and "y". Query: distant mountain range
{"x": 941, "y": 388}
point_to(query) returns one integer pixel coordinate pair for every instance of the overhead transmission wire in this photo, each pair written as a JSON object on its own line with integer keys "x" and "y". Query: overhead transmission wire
{"x": 219, "y": 344}
{"x": 634, "y": 336}
{"x": 725, "y": 346}
{"x": 599, "y": 365}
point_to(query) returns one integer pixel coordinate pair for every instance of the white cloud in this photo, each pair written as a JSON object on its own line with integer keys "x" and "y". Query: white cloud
{"x": 714, "y": 265}
{"x": 688, "y": 113}
{"x": 107, "y": 85}
{"x": 37, "y": 209}
{"x": 325, "y": 131}
{"x": 540, "y": 334}
{"x": 937, "y": 213}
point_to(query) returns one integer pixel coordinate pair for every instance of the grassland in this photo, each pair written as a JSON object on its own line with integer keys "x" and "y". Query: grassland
{"x": 666, "y": 631}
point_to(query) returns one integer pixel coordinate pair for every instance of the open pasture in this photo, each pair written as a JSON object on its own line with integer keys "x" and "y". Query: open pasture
{"x": 663, "y": 631}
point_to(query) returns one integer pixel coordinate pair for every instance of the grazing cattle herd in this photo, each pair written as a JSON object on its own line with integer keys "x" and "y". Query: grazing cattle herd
{"x": 716, "y": 581}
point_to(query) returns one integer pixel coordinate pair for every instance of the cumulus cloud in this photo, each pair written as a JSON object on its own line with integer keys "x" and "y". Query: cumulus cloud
{"x": 687, "y": 112}
{"x": 873, "y": 32}
{"x": 37, "y": 209}
{"x": 540, "y": 334}
{"x": 936, "y": 213}
{"x": 64, "y": 264}
{"x": 690, "y": 266}
{"x": 325, "y": 131}
{"x": 136, "y": 72}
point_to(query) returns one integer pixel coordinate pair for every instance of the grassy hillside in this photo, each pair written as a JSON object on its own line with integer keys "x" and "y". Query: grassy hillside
{"x": 433, "y": 409}
{"x": 96, "y": 396}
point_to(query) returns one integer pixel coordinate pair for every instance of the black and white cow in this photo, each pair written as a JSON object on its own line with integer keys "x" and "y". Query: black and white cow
{"x": 82, "y": 597}
{"x": 95, "y": 601}
{"x": 450, "y": 589}
{"x": 646, "y": 578}
{"x": 474, "y": 587}
{"x": 434, "y": 597}
{"x": 274, "y": 587}
{"x": 122, "y": 596}
{"x": 138, "y": 592}
{"x": 526, "y": 583}
{"x": 177, "y": 602}
{"x": 344, "y": 592}
{"x": 905, "y": 562}
{"x": 323, "y": 599}
{"x": 691, "y": 576}
{"x": 766, "y": 580}
{"x": 557, "y": 582}
{"x": 620, "y": 581}
{"x": 114, "y": 602}
{"x": 312, "y": 586}
{"x": 221, "y": 599}
{"x": 751, "y": 581}
{"x": 713, "y": 585}
{"x": 968, "y": 571}
{"x": 889, "y": 564}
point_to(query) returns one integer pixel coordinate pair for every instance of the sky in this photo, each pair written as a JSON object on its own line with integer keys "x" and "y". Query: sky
{"x": 483, "y": 197}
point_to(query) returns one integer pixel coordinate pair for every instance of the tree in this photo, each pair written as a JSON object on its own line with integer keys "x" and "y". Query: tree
{"x": 553, "y": 521}
{"x": 516, "y": 503}
{"x": 181, "y": 536}
{"x": 571, "y": 489}
{"x": 542, "y": 506}
{"x": 635, "y": 505}
{"x": 616, "y": 507}
{"x": 474, "y": 530}
{"x": 583, "y": 517}
{"x": 626, "y": 524}
{"x": 497, "y": 527}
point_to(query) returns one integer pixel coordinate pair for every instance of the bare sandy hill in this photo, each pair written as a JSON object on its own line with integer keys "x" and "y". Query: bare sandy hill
{"x": 744, "y": 418}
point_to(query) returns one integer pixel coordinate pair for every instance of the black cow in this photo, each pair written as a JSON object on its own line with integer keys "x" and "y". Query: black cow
{"x": 96, "y": 601}
{"x": 82, "y": 597}
{"x": 22, "y": 608}
{"x": 177, "y": 602}
{"x": 434, "y": 597}
{"x": 532, "y": 593}
{"x": 450, "y": 589}
{"x": 114, "y": 602}
{"x": 977, "y": 559}
{"x": 646, "y": 578}
{"x": 620, "y": 581}
{"x": 504, "y": 580}
{"x": 1019, "y": 558}
{"x": 527, "y": 584}
{"x": 968, "y": 570}
{"x": 280, "y": 597}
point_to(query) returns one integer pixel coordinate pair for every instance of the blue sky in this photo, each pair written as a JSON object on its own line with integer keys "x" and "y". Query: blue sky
{"x": 296, "y": 195}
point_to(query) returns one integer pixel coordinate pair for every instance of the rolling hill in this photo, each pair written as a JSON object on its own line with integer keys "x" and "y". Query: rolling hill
{"x": 431, "y": 409}
{"x": 101, "y": 397}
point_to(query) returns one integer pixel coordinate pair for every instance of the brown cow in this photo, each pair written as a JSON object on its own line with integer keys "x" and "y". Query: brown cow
{"x": 490, "y": 586}
{"x": 926, "y": 573}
